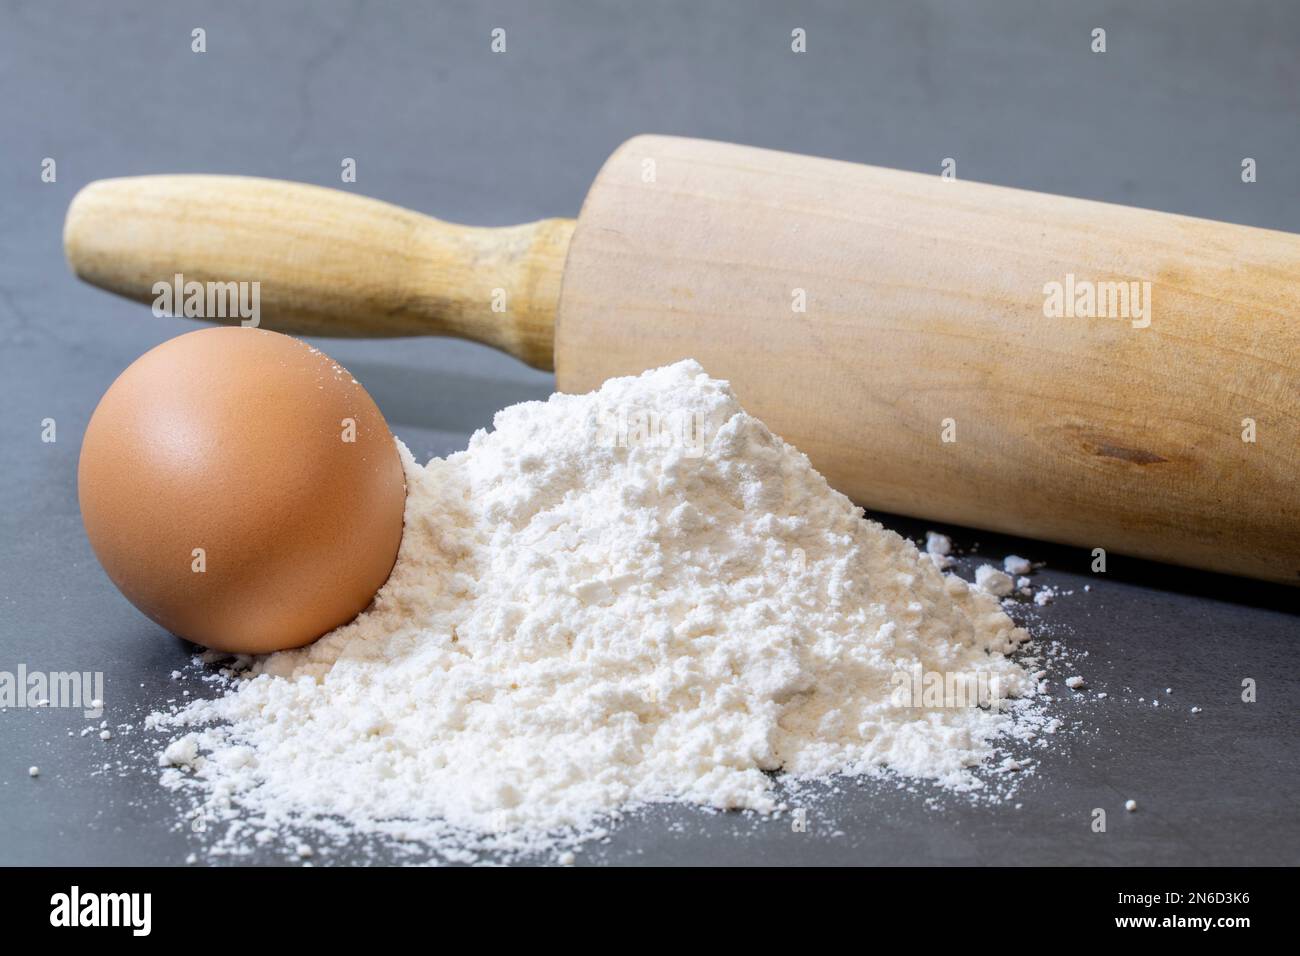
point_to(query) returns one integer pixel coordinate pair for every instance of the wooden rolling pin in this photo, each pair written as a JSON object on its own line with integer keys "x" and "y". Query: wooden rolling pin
{"x": 865, "y": 314}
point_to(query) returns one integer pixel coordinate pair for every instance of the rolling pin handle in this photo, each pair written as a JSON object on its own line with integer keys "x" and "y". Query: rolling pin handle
{"x": 325, "y": 262}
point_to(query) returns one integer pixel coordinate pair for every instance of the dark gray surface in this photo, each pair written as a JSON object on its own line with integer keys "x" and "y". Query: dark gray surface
{"x": 438, "y": 124}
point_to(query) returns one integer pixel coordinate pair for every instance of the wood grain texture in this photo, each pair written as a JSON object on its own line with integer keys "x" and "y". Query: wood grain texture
{"x": 925, "y": 302}
{"x": 329, "y": 262}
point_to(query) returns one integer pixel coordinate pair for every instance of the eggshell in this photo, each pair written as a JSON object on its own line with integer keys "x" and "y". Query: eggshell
{"x": 221, "y": 494}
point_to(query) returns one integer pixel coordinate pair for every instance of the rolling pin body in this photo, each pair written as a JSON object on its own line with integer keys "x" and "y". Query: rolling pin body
{"x": 894, "y": 327}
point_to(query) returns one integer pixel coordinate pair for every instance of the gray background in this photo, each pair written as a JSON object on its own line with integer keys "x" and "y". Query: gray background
{"x": 439, "y": 124}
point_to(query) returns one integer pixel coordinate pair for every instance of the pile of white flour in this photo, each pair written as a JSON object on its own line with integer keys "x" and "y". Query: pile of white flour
{"x": 632, "y": 596}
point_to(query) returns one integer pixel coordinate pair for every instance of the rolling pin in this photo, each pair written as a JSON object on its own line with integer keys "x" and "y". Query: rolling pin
{"x": 1056, "y": 368}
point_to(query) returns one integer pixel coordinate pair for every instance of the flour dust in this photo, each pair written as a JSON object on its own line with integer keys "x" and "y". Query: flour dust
{"x": 611, "y": 601}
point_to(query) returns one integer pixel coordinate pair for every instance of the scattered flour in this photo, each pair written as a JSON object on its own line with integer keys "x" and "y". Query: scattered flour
{"x": 996, "y": 582}
{"x": 180, "y": 753}
{"x": 936, "y": 543}
{"x": 1015, "y": 565}
{"x": 634, "y": 596}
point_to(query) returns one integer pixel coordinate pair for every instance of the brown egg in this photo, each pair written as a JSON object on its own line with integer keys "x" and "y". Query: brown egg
{"x": 242, "y": 490}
